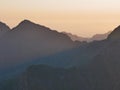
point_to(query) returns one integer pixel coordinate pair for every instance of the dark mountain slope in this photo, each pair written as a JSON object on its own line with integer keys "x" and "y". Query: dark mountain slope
{"x": 3, "y": 29}
{"x": 103, "y": 72}
{"x": 106, "y": 68}
{"x": 28, "y": 41}
{"x": 115, "y": 34}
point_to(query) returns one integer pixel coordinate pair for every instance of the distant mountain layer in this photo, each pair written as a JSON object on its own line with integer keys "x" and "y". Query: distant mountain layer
{"x": 96, "y": 37}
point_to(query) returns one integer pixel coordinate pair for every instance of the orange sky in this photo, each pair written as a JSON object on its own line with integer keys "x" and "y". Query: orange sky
{"x": 81, "y": 17}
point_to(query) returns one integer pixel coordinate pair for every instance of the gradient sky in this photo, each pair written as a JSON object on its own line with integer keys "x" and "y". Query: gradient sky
{"x": 81, "y": 17}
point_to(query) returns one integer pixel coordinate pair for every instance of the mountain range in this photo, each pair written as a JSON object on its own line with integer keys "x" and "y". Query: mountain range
{"x": 28, "y": 41}
{"x": 77, "y": 66}
{"x": 97, "y": 37}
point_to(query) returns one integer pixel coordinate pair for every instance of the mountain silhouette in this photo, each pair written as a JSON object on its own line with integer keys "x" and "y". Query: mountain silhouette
{"x": 115, "y": 35}
{"x": 27, "y": 41}
{"x": 3, "y": 29}
{"x": 105, "y": 67}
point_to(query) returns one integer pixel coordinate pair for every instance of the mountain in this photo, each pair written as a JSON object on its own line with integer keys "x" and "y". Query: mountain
{"x": 115, "y": 35}
{"x": 28, "y": 41}
{"x": 3, "y": 29}
{"x": 75, "y": 37}
{"x": 101, "y": 73}
{"x": 105, "y": 67}
{"x": 97, "y": 37}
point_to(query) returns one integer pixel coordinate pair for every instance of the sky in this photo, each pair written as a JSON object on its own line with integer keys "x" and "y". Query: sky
{"x": 81, "y": 17}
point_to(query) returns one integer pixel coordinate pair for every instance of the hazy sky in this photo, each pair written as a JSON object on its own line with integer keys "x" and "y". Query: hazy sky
{"x": 81, "y": 17}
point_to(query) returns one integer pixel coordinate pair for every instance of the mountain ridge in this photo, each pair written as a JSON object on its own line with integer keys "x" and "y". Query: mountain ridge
{"x": 96, "y": 37}
{"x": 115, "y": 35}
{"x": 28, "y": 41}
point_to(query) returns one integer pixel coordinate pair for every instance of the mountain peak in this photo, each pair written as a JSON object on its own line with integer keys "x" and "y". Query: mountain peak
{"x": 26, "y": 22}
{"x": 3, "y": 25}
{"x": 115, "y": 34}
